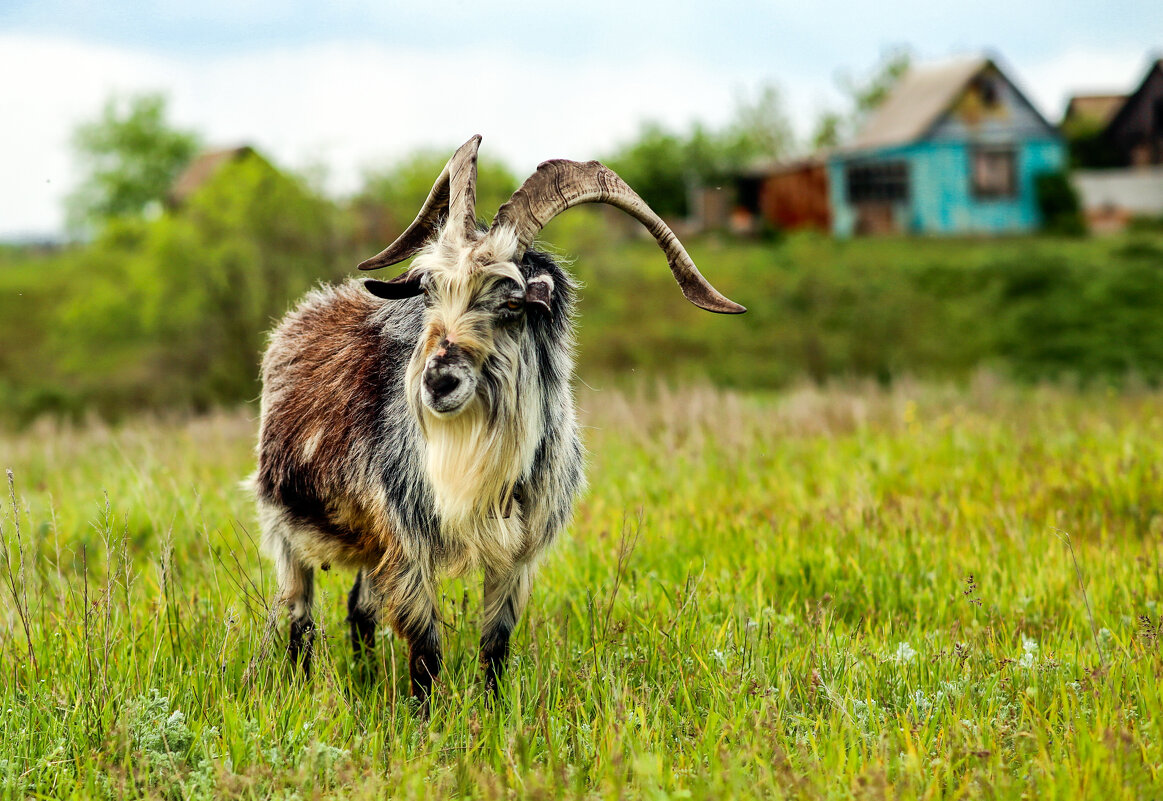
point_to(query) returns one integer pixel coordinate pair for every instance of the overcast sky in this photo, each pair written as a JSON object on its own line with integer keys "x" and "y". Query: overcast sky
{"x": 353, "y": 83}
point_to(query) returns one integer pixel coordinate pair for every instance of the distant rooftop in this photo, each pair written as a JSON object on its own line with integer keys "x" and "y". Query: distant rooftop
{"x": 202, "y": 168}
{"x": 921, "y": 96}
{"x": 761, "y": 167}
{"x": 1097, "y": 108}
{"x": 1132, "y": 101}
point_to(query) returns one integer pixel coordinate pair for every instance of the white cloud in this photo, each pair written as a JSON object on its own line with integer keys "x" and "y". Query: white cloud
{"x": 347, "y": 106}
{"x": 49, "y": 86}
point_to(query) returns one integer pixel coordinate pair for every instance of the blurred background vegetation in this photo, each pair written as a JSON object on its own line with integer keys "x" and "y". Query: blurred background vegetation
{"x": 163, "y": 299}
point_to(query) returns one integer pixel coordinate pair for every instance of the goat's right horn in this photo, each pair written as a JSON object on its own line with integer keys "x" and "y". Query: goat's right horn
{"x": 559, "y": 185}
{"x": 453, "y": 197}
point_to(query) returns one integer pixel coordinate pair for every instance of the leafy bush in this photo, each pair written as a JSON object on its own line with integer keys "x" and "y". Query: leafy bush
{"x": 173, "y": 312}
{"x": 391, "y": 197}
{"x": 1084, "y": 321}
{"x": 1058, "y": 204}
{"x": 1146, "y": 223}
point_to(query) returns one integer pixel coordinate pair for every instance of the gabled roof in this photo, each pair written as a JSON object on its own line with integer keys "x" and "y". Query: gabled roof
{"x": 919, "y": 100}
{"x": 202, "y": 169}
{"x": 921, "y": 96}
{"x": 1133, "y": 97}
{"x": 1096, "y": 108}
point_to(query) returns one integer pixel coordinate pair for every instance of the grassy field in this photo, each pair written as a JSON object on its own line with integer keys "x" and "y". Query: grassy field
{"x": 849, "y": 592}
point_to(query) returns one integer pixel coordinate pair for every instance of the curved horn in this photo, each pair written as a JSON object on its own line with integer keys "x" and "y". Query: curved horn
{"x": 559, "y": 185}
{"x": 453, "y": 197}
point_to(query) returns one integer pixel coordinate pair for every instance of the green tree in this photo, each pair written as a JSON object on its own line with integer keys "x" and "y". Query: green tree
{"x": 759, "y": 129}
{"x": 177, "y": 307}
{"x": 663, "y": 166}
{"x": 863, "y": 96}
{"x": 1087, "y": 144}
{"x": 130, "y": 156}
{"x": 655, "y": 165}
{"x": 391, "y": 197}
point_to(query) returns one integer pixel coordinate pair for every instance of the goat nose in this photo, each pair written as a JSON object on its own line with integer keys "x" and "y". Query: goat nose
{"x": 445, "y": 352}
{"x": 440, "y": 383}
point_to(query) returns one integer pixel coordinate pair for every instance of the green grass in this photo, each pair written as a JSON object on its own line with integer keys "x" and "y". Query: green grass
{"x": 1036, "y": 308}
{"x": 847, "y": 592}
{"x": 119, "y": 326}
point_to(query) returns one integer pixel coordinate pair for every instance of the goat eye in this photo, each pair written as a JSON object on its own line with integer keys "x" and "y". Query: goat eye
{"x": 513, "y": 304}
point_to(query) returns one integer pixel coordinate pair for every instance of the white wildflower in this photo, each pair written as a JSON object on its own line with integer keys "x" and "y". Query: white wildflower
{"x": 904, "y": 653}
{"x": 1029, "y": 653}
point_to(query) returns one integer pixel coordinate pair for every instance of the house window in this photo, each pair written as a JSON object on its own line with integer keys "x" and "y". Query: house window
{"x": 880, "y": 181}
{"x": 987, "y": 91}
{"x": 993, "y": 172}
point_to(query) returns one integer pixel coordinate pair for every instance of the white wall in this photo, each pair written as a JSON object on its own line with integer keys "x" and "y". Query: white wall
{"x": 1136, "y": 190}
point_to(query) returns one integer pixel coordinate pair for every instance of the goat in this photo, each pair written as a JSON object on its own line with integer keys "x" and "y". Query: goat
{"x": 425, "y": 425}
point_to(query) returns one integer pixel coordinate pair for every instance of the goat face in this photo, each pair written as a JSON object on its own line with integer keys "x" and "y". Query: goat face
{"x": 475, "y": 316}
{"x": 471, "y": 381}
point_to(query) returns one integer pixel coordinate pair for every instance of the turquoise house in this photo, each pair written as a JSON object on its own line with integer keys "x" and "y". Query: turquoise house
{"x": 954, "y": 149}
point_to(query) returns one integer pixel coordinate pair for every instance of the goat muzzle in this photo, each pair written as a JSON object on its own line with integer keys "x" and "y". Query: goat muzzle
{"x": 448, "y": 380}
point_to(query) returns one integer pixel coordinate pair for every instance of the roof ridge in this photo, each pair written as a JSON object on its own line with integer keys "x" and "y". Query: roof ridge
{"x": 917, "y": 100}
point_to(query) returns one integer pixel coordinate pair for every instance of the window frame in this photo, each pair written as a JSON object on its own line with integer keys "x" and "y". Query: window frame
{"x": 887, "y": 181}
{"x": 977, "y": 189}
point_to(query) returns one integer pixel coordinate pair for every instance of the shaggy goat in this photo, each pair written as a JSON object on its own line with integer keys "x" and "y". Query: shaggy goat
{"x": 425, "y": 425}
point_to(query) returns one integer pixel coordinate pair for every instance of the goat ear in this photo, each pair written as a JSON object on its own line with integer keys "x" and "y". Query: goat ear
{"x": 539, "y": 292}
{"x": 402, "y": 286}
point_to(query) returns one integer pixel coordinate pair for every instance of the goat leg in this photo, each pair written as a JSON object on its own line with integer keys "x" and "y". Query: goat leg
{"x": 505, "y": 596}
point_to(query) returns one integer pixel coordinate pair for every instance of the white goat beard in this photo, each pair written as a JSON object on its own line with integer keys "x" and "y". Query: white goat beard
{"x": 473, "y": 467}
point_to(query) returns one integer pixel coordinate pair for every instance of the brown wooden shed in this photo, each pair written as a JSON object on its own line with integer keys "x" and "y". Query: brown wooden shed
{"x": 789, "y": 195}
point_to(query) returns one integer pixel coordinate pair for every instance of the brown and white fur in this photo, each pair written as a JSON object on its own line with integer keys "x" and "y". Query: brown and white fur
{"x": 419, "y": 437}
{"x": 424, "y": 425}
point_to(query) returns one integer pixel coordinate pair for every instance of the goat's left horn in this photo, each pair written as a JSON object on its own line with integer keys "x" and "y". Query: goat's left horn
{"x": 453, "y": 197}
{"x": 559, "y": 185}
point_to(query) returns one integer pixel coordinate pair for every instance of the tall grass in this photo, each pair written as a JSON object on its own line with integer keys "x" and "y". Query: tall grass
{"x": 826, "y": 592}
